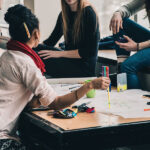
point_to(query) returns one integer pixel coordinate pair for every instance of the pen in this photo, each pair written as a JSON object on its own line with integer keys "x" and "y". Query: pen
{"x": 65, "y": 85}
{"x": 108, "y": 98}
{"x": 41, "y": 108}
{"x": 147, "y": 109}
{"x": 73, "y": 87}
{"x": 105, "y": 71}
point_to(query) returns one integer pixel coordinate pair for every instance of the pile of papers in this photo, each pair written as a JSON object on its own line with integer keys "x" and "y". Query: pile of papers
{"x": 127, "y": 104}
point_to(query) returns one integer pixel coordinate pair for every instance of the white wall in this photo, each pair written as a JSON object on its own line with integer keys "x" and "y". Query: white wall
{"x": 29, "y": 4}
{"x": 47, "y": 11}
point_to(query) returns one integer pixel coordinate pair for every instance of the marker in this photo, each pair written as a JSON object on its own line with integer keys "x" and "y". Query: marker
{"x": 147, "y": 109}
{"x": 74, "y": 87}
{"x": 105, "y": 73}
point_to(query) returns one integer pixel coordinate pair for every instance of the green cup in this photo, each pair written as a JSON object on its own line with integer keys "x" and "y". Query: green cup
{"x": 91, "y": 93}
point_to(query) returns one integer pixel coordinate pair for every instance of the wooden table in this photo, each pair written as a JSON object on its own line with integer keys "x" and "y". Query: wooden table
{"x": 95, "y": 131}
{"x": 86, "y": 131}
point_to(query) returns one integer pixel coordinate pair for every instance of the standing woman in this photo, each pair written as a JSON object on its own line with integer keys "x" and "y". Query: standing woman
{"x": 137, "y": 39}
{"x": 78, "y": 23}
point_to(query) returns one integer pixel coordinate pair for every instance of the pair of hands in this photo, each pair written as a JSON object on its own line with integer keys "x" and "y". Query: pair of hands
{"x": 100, "y": 83}
{"x": 115, "y": 25}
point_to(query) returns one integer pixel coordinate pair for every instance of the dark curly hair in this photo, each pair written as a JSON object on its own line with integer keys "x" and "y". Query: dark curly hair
{"x": 16, "y": 17}
{"x": 147, "y": 3}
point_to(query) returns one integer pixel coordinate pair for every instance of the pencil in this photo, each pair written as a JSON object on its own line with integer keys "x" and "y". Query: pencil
{"x": 74, "y": 87}
{"x": 107, "y": 75}
{"x": 108, "y": 98}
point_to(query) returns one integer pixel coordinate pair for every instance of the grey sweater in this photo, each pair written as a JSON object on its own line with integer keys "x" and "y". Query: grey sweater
{"x": 131, "y": 8}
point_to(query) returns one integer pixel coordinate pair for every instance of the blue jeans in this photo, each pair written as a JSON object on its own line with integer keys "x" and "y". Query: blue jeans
{"x": 138, "y": 61}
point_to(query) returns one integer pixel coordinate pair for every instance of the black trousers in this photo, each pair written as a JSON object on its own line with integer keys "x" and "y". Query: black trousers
{"x": 9, "y": 144}
{"x": 65, "y": 67}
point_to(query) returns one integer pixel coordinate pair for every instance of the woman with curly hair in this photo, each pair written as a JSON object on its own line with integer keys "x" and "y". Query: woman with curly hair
{"x": 131, "y": 36}
{"x": 21, "y": 77}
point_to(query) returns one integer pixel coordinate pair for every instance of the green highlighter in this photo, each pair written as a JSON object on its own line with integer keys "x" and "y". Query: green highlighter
{"x": 91, "y": 93}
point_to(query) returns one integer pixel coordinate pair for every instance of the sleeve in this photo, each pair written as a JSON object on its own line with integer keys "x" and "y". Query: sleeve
{"x": 131, "y": 8}
{"x": 33, "y": 80}
{"x": 56, "y": 34}
{"x": 91, "y": 34}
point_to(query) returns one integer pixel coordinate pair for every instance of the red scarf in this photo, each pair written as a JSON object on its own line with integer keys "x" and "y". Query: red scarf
{"x": 24, "y": 48}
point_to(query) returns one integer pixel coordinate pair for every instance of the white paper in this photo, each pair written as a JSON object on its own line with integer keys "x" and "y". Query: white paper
{"x": 69, "y": 80}
{"x": 127, "y": 104}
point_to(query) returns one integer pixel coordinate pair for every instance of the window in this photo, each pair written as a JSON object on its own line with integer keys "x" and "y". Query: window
{"x": 6, "y": 4}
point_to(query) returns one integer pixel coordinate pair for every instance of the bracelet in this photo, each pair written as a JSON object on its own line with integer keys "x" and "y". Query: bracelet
{"x": 138, "y": 47}
{"x": 149, "y": 42}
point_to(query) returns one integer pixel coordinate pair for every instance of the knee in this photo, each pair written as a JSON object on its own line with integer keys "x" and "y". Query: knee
{"x": 125, "y": 67}
{"x": 126, "y": 21}
{"x": 127, "y": 24}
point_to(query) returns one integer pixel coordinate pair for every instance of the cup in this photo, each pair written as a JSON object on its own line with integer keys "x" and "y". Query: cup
{"x": 121, "y": 82}
{"x": 91, "y": 93}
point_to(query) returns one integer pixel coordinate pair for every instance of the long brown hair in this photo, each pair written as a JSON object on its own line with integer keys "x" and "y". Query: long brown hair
{"x": 147, "y": 3}
{"x": 78, "y": 24}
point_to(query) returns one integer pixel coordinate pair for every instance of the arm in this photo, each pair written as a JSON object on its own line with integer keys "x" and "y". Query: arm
{"x": 145, "y": 44}
{"x": 70, "y": 54}
{"x": 131, "y": 8}
{"x": 88, "y": 44}
{"x": 91, "y": 34}
{"x": 57, "y": 54}
{"x": 56, "y": 34}
{"x": 66, "y": 100}
{"x": 131, "y": 45}
{"x": 35, "y": 82}
{"x": 125, "y": 11}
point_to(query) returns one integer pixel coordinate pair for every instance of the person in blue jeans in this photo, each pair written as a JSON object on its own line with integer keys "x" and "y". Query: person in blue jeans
{"x": 130, "y": 36}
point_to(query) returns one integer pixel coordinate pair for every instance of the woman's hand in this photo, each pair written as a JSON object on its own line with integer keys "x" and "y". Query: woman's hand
{"x": 100, "y": 83}
{"x": 46, "y": 54}
{"x": 129, "y": 46}
{"x": 116, "y": 22}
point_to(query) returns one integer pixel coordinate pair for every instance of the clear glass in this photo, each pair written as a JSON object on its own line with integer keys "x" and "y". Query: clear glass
{"x": 121, "y": 82}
